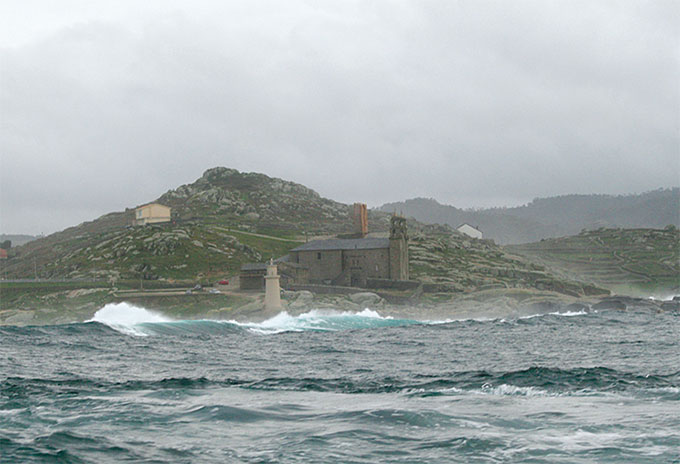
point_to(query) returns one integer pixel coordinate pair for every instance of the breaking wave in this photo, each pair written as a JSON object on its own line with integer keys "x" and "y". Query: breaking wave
{"x": 133, "y": 320}
{"x": 127, "y": 318}
{"x": 325, "y": 321}
{"x": 132, "y": 385}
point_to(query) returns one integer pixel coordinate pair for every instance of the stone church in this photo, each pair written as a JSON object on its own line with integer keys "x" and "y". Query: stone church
{"x": 353, "y": 261}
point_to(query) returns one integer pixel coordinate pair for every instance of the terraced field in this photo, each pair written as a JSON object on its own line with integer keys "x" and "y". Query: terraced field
{"x": 644, "y": 259}
{"x": 452, "y": 262}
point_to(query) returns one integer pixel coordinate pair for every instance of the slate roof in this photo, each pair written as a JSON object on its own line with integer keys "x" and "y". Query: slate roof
{"x": 263, "y": 266}
{"x": 254, "y": 267}
{"x": 466, "y": 224}
{"x": 345, "y": 244}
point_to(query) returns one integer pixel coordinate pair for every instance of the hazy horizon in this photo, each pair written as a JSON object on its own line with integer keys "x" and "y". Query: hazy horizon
{"x": 370, "y": 206}
{"x": 107, "y": 105}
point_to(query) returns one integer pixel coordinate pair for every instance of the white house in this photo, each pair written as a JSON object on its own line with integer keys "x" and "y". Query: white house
{"x": 469, "y": 230}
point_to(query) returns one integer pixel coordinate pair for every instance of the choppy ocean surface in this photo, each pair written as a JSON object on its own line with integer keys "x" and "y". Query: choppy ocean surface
{"x": 132, "y": 386}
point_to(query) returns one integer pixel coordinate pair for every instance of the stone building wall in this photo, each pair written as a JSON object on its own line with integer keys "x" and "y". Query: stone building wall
{"x": 352, "y": 262}
{"x": 344, "y": 267}
{"x": 365, "y": 264}
{"x": 323, "y": 265}
{"x": 251, "y": 280}
{"x": 398, "y": 249}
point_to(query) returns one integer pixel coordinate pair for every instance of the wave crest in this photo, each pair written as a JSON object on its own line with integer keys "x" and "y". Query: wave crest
{"x": 125, "y": 317}
{"x": 137, "y": 321}
{"x": 132, "y": 320}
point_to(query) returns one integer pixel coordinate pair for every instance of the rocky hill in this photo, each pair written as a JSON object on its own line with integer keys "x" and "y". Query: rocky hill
{"x": 646, "y": 260}
{"x": 17, "y": 239}
{"x": 256, "y": 202}
{"x": 553, "y": 217}
{"x": 227, "y": 218}
{"x": 219, "y": 220}
{"x": 452, "y": 262}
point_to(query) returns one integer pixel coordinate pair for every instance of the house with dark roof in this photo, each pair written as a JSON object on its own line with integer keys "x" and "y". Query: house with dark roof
{"x": 352, "y": 261}
{"x": 252, "y": 276}
{"x": 340, "y": 261}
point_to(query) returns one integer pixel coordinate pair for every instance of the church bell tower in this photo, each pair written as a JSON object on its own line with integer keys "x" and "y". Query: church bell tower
{"x": 398, "y": 248}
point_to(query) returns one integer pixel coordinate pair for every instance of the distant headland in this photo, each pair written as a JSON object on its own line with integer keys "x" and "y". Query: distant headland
{"x": 200, "y": 250}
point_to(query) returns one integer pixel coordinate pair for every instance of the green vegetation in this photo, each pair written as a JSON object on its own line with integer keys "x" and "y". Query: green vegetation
{"x": 38, "y": 304}
{"x": 267, "y": 247}
{"x": 457, "y": 263}
{"x": 57, "y": 302}
{"x": 227, "y": 218}
{"x": 624, "y": 260}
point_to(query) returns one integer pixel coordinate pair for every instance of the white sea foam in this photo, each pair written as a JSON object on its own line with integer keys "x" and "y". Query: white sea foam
{"x": 582, "y": 312}
{"x": 529, "y": 391}
{"x": 513, "y": 390}
{"x": 124, "y": 317}
{"x": 466, "y": 319}
{"x": 581, "y": 440}
{"x": 664, "y": 297}
{"x": 500, "y": 390}
{"x": 316, "y": 319}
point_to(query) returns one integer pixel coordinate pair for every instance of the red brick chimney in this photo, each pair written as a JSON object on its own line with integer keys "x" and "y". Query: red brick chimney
{"x": 360, "y": 219}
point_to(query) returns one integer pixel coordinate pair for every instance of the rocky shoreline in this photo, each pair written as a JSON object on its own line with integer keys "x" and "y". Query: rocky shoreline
{"x": 491, "y": 304}
{"x": 81, "y": 305}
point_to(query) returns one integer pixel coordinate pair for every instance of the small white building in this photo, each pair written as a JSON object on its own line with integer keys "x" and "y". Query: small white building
{"x": 151, "y": 213}
{"x": 469, "y": 230}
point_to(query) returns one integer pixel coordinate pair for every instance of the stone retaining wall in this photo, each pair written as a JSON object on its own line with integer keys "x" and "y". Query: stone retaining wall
{"x": 325, "y": 289}
{"x": 392, "y": 284}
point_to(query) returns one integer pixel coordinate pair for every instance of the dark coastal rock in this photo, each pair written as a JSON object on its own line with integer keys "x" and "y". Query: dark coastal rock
{"x": 610, "y": 304}
{"x": 576, "y": 307}
{"x": 545, "y": 307}
{"x": 628, "y": 302}
{"x": 673, "y": 305}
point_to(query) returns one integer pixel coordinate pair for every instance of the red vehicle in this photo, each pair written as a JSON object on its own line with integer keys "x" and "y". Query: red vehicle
{"x": 223, "y": 282}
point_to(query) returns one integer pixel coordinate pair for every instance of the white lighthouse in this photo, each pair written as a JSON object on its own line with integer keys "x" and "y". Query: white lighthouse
{"x": 272, "y": 289}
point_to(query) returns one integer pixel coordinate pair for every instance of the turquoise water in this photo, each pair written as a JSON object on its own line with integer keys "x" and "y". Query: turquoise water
{"x": 131, "y": 386}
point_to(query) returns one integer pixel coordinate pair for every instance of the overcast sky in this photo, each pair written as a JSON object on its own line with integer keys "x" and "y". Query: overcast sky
{"x": 106, "y": 105}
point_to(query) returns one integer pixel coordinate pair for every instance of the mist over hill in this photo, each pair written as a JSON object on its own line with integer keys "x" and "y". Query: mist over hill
{"x": 553, "y": 217}
{"x": 17, "y": 239}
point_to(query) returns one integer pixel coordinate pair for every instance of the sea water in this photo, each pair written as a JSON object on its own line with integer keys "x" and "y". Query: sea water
{"x": 324, "y": 386}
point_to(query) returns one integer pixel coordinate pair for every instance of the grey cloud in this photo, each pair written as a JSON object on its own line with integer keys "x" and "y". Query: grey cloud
{"x": 474, "y": 103}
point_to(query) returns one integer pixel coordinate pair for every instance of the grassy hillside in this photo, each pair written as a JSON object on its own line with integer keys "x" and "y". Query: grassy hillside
{"x": 456, "y": 263}
{"x": 227, "y": 218}
{"x": 256, "y": 203}
{"x": 188, "y": 251}
{"x": 224, "y": 219}
{"x": 618, "y": 259}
